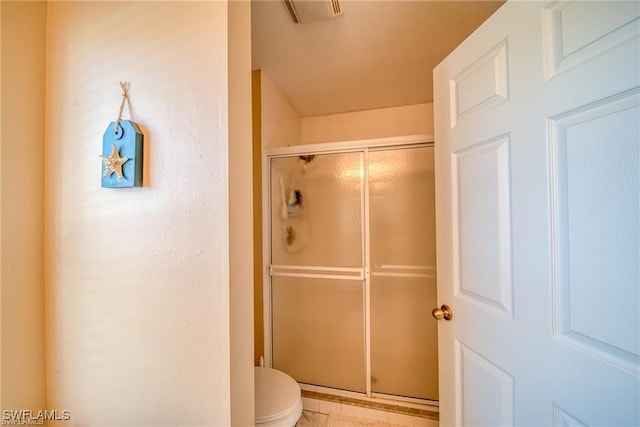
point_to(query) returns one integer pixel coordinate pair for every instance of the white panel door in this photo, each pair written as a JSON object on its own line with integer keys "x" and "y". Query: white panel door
{"x": 537, "y": 128}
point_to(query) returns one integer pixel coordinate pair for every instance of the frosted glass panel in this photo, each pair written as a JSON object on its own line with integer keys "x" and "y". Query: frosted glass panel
{"x": 317, "y": 210}
{"x": 404, "y": 353}
{"x": 403, "y": 284}
{"x": 402, "y": 207}
{"x": 318, "y": 331}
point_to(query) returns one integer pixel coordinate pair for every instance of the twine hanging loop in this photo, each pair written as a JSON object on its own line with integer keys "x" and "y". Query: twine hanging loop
{"x": 125, "y": 97}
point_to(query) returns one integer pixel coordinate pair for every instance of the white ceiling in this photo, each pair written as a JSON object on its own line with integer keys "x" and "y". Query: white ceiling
{"x": 376, "y": 54}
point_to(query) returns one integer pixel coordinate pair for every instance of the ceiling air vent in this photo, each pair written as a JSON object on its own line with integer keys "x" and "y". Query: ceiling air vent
{"x": 336, "y": 8}
{"x": 303, "y": 11}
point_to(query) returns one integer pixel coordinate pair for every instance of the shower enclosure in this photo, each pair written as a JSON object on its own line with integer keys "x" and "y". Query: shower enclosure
{"x": 351, "y": 278}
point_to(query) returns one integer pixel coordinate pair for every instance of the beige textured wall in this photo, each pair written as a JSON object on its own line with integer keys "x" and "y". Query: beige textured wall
{"x": 138, "y": 311}
{"x": 379, "y": 123}
{"x": 241, "y": 215}
{"x": 21, "y": 205}
{"x": 280, "y": 121}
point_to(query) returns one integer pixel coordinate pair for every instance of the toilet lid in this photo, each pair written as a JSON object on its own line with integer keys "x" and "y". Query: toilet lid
{"x": 277, "y": 394}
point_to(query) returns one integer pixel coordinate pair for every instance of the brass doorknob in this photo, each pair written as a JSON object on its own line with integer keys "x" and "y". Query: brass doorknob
{"x": 444, "y": 312}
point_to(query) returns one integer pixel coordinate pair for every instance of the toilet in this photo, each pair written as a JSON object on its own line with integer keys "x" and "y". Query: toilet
{"x": 278, "y": 398}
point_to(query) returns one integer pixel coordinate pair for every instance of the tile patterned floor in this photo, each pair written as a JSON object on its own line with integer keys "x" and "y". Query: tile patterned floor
{"x": 314, "y": 419}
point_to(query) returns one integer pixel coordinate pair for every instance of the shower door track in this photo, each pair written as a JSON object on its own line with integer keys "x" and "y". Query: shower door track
{"x": 361, "y": 274}
{"x": 343, "y": 147}
{"x": 402, "y": 401}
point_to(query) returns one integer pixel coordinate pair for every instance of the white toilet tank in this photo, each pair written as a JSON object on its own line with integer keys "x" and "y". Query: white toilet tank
{"x": 278, "y": 398}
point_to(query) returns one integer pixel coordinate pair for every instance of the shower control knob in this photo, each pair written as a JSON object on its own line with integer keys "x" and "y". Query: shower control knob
{"x": 442, "y": 312}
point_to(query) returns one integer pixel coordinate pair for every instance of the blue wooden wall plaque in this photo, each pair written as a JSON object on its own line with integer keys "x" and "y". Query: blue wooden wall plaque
{"x": 122, "y": 155}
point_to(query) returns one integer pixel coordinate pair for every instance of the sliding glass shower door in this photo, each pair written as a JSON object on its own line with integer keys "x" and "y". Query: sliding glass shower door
{"x": 404, "y": 354}
{"x": 317, "y": 269}
{"x": 353, "y": 270}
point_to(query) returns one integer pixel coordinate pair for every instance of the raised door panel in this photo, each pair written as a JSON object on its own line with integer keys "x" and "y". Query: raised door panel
{"x": 595, "y": 182}
{"x": 485, "y": 392}
{"x": 482, "y": 226}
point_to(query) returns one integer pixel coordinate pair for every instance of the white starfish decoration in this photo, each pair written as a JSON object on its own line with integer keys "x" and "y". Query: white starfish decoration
{"x": 113, "y": 162}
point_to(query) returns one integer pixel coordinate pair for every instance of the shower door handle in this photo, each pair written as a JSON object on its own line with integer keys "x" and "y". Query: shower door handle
{"x": 442, "y": 312}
